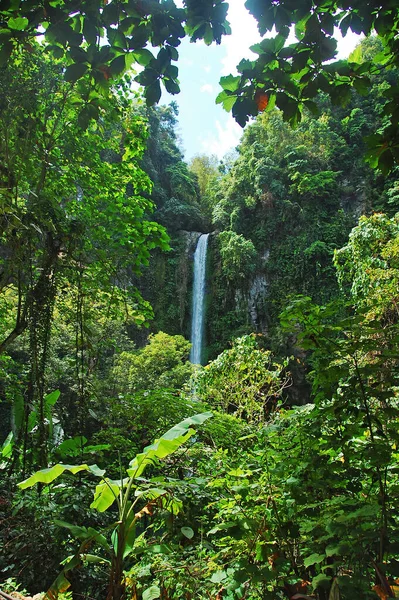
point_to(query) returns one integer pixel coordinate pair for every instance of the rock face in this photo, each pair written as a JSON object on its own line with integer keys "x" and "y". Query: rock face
{"x": 251, "y": 301}
{"x": 256, "y": 295}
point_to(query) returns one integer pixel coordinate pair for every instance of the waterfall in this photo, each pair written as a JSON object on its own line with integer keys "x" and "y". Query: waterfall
{"x": 198, "y": 305}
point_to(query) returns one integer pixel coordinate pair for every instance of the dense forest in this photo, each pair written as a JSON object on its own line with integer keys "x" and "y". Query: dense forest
{"x": 269, "y": 471}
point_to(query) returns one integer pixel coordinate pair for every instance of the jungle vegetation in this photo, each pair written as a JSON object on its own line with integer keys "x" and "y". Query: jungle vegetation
{"x": 127, "y": 473}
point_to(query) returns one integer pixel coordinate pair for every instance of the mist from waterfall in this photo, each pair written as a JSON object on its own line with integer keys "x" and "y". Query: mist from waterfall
{"x": 198, "y": 302}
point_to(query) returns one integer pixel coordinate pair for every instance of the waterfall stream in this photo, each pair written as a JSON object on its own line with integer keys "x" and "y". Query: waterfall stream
{"x": 198, "y": 304}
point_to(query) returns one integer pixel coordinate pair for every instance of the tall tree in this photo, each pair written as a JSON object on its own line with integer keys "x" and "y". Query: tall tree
{"x": 74, "y": 217}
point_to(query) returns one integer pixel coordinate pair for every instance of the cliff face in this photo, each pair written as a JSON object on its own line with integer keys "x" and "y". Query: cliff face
{"x": 167, "y": 284}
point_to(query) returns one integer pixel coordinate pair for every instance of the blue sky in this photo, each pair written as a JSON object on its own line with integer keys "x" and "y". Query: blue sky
{"x": 205, "y": 128}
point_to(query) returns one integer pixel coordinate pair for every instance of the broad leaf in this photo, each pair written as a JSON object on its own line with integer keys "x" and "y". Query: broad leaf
{"x": 230, "y": 83}
{"x": 52, "y": 398}
{"x": 6, "y": 450}
{"x": 167, "y": 444}
{"x": 75, "y": 72}
{"x": 321, "y": 581}
{"x": 105, "y": 494}
{"x": 49, "y": 475}
{"x": 313, "y": 559}
{"x": 83, "y": 533}
{"x": 151, "y": 593}
{"x": 218, "y": 576}
{"x": 18, "y": 411}
{"x": 92, "y": 558}
{"x": 18, "y": 23}
{"x": 187, "y": 532}
{"x": 143, "y": 57}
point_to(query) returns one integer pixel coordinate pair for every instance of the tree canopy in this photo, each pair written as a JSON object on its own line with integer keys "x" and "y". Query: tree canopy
{"x": 288, "y": 75}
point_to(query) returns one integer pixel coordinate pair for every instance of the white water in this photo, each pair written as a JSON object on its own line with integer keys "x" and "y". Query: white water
{"x": 198, "y": 306}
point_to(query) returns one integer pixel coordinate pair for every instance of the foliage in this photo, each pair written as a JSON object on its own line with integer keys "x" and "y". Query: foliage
{"x": 206, "y": 168}
{"x": 286, "y": 194}
{"x": 107, "y": 493}
{"x": 272, "y": 501}
{"x": 31, "y": 543}
{"x": 244, "y": 380}
{"x": 73, "y": 215}
{"x": 162, "y": 363}
{"x": 291, "y": 76}
{"x": 175, "y": 215}
{"x": 175, "y": 191}
{"x": 368, "y": 265}
{"x": 307, "y": 506}
{"x": 44, "y": 169}
{"x": 75, "y": 35}
{"x": 238, "y": 255}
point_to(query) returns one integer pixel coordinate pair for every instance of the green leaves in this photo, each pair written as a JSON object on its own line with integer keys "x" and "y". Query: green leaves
{"x": 230, "y": 83}
{"x": 143, "y": 57}
{"x": 151, "y": 593}
{"x": 228, "y": 97}
{"x": 313, "y": 559}
{"x": 226, "y": 100}
{"x": 188, "y": 532}
{"x": 117, "y": 65}
{"x": 322, "y": 581}
{"x": 167, "y": 444}
{"x": 75, "y": 72}
{"x": 18, "y": 23}
{"x": 105, "y": 494}
{"x": 47, "y": 476}
{"x": 88, "y": 112}
{"x": 84, "y": 533}
{"x": 153, "y": 93}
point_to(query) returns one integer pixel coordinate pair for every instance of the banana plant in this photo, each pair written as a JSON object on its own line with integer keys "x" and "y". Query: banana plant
{"x": 126, "y": 494}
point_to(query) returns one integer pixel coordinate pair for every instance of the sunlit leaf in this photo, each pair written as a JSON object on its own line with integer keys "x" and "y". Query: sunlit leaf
{"x": 151, "y": 593}
{"x": 167, "y": 444}
{"x": 49, "y": 475}
{"x": 105, "y": 494}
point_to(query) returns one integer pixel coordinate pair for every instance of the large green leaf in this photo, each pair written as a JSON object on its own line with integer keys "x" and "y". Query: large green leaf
{"x": 151, "y": 593}
{"x": 321, "y": 580}
{"x": 313, "y": 559}
{"x": 105, "y": 494}
{"x": 226, "y": 100}
{"x": 160, "y": 449}
{"x": 143, "y": 56}
{"x": 167, "y": 444}
{"x": 18, "y": 23}
{"x": 92, "y": 558}
{"x": 48, "y": 475}
{"x": 18, "y": 411}
{"x": 52, "y": 398}
{"x": 117, "y": 65}
{"x": 6, "y": 450}
{"x": 75, "y": 72}
{"x": 181, "y": 427}
{"x": 84, "y": 534}
{"x": 187, "y": 532}
{"x": 153, "y": 93}
{"x": 130, "y": 534}
{"x": 230, "y": 83}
